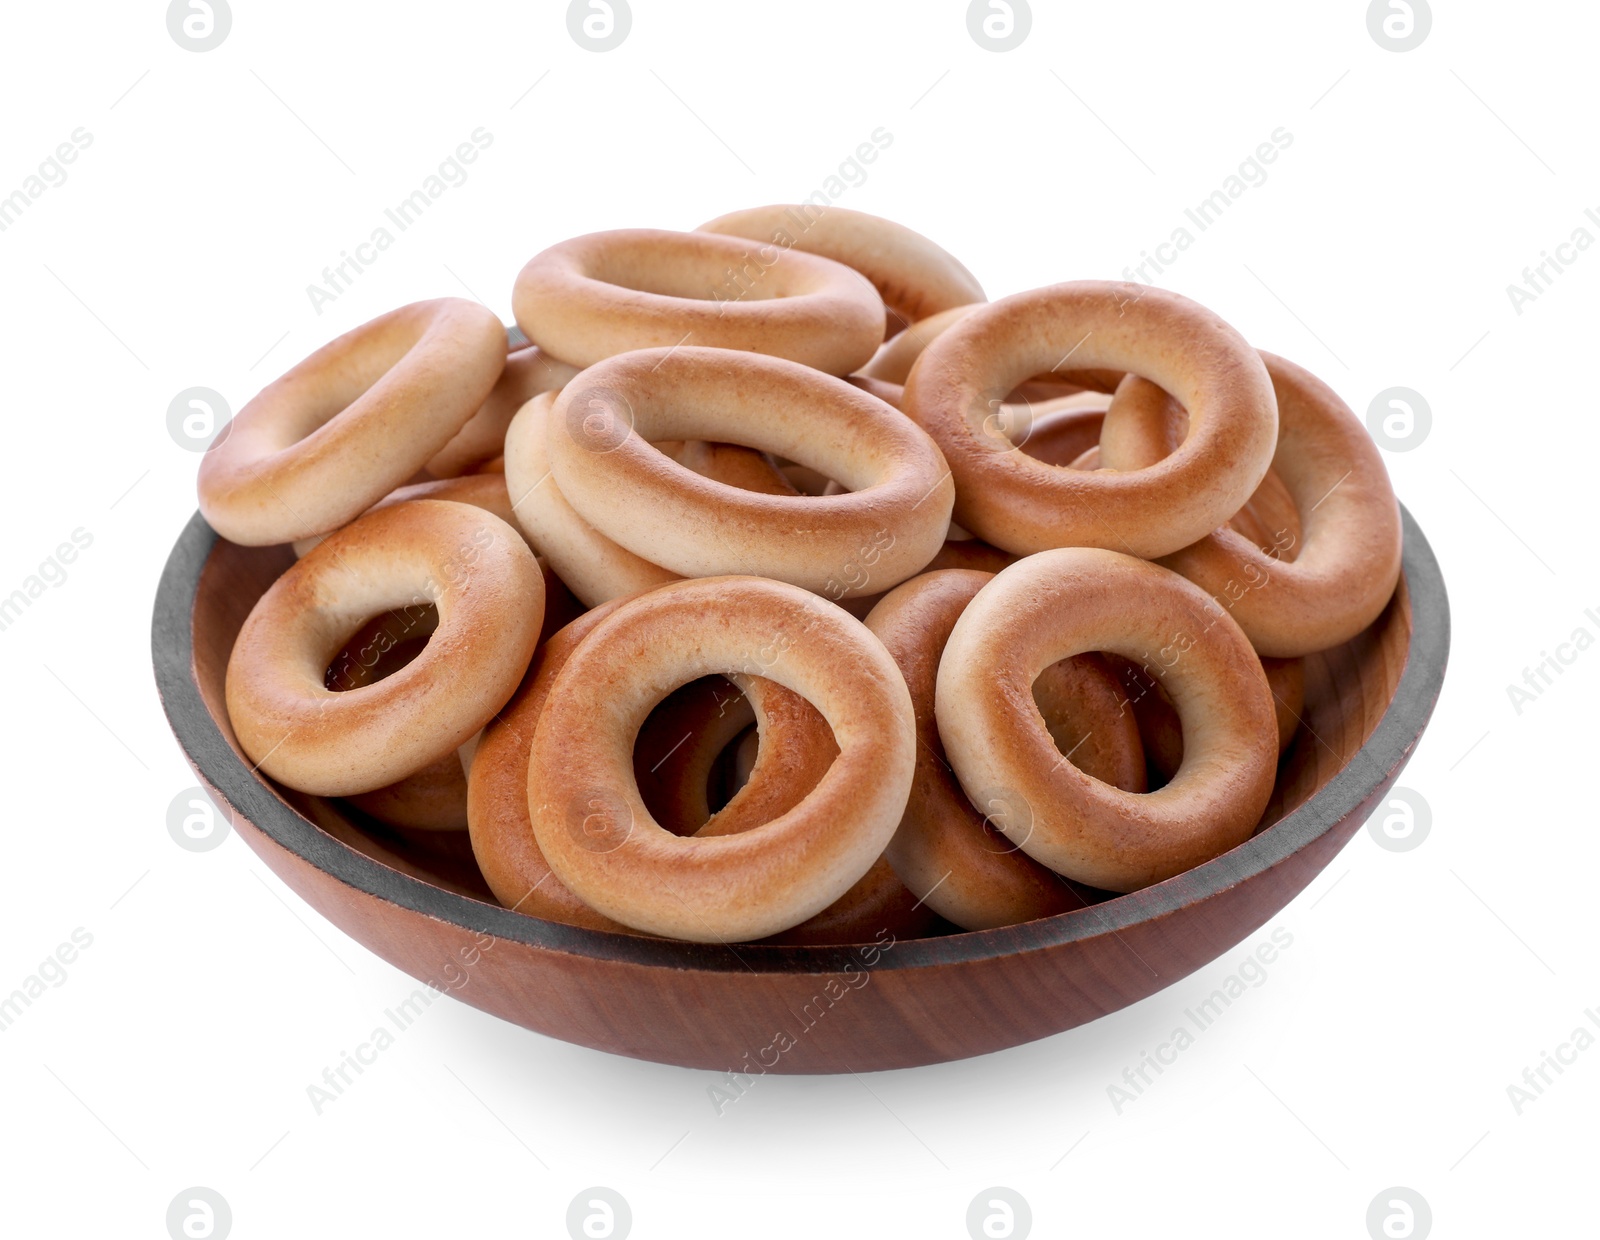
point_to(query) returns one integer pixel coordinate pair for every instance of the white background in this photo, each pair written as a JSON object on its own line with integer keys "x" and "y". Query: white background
{"x": 177, "y": 253}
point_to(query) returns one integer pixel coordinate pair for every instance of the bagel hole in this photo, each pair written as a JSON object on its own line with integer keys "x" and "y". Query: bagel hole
{"x": 381, "y": 646}
{"x": 679, "y": 756}
{"x": 1106, "y": 715}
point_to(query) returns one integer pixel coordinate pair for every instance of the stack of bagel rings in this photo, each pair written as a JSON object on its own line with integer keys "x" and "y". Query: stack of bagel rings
{"x": 770, "y": 583}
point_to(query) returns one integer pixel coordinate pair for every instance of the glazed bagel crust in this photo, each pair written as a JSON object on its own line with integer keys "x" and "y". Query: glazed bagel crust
{"x": 890, "y": 524}
{"x": 606, "y": 293}
{"x": 1063, "y": 602}
{"x": 914, "y": 276}
{"x": 474, "y": 568}
{"x": 1024, "y": 505}
{"x": 596, "y": 833}
{"x": 358, "y": 418}
{"x": 1348, "y": 557}
{"x": 594, "y": 568}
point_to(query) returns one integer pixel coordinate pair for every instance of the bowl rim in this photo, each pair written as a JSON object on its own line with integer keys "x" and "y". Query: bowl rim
{"x": 250, "y": 797}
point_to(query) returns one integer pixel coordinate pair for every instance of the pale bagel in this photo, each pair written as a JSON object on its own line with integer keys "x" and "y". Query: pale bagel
{"x": 358, "y": 418}
{"x": 1063, "y": 602}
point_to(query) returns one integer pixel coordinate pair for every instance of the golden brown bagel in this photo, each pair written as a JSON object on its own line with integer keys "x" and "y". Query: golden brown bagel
{"x": 596, "y": 833}
{"x": 946, "y": 850}
{"x": 913, "y": 276}
{"x": 486, "y": 586}
{"x": 595, "y": 296}
{"x": 358, "y": 418}
{"x": 600, "y": 434}
{"x": 1349, "y": 552}
{"x": 1023, "y": 505}
{"x": 796, "y": 753}
{"x": 1064, "y": 602}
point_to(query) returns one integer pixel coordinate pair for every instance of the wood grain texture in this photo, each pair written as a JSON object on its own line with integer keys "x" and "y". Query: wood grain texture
{"x": 756, "y": 1008}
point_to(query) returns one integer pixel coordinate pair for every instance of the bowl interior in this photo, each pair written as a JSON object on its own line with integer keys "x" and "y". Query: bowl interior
{"x": 1348, "y": 689}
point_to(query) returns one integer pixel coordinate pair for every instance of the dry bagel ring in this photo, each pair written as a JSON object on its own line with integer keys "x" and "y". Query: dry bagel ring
{"x": 1062, "y": 602}
{"x": 595, "y": 296}
{"x": 1022, "y": 505}
{"x": 594, "y": 568}
{"x": 1349, "y": 556}
{"x": 528, "y": 372}
{"x": 797, "y": 751}
{"x": 890, "y": 524}
{"x": 470, "y": 565}
{"x": 945, "y": 849}
{"x": 596, "y": 833}
{"x": 914, "y": 276}
{"x": 358, "y": 418}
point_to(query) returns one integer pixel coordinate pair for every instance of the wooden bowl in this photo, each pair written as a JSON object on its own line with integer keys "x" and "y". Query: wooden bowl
{"x": 421, "y": 905}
